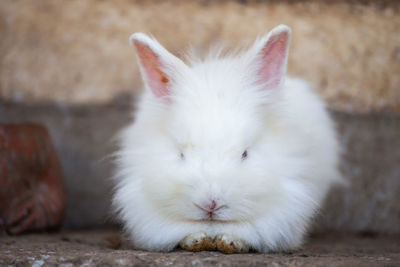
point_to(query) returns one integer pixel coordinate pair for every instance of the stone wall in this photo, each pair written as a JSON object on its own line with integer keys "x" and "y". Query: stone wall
{"x": 77, "y": 51}
{"x": 83, "y": 136}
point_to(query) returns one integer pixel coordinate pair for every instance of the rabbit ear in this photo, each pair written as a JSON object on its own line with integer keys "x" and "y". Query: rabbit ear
{"x": 157, "y": 65}
{"x": 271, "y": 55}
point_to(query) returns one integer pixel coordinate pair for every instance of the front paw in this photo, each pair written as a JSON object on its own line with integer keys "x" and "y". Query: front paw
{"x": 197, "y": 242}
{"x": 230, "y": 244}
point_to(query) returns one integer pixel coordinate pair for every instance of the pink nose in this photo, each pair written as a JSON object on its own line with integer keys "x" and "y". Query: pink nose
{"x": 212, "y": 205}
{"x": 209, "y": 206}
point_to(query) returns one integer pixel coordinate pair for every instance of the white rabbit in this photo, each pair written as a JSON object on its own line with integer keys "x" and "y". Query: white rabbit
{"x": 224, "y": 153}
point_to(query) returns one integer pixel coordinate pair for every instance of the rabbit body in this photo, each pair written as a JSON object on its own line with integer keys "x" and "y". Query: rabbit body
{"x": 225, "y": 146}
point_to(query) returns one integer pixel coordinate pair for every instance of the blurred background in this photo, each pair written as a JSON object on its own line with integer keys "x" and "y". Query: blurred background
{"x": 68, "y": 66}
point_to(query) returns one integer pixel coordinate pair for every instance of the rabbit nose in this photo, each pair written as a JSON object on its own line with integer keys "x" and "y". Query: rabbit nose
{"x": 210, "y": 206}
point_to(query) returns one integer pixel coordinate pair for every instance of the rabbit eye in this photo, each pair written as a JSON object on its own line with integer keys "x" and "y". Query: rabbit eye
{"x": 244, "y": 155}
{"x": 182, "y": 156}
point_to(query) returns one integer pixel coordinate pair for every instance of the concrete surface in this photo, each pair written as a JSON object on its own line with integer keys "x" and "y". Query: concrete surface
{"x": 107, "y": 248}
{"x": 82, "y": 135}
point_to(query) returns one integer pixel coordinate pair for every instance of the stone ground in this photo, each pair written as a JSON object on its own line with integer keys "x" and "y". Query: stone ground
{"x": 105, "y": 247}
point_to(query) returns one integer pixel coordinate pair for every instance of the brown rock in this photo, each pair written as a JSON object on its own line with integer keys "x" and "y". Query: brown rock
{"x": 32, "y": 193}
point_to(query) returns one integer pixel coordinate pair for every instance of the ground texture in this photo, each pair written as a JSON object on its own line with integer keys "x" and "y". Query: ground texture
{"x": 107, "y": 248}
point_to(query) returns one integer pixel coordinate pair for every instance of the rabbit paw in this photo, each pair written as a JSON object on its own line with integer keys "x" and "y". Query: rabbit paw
{"x": 197, "y": 242}
{"x": 230, "y": 244}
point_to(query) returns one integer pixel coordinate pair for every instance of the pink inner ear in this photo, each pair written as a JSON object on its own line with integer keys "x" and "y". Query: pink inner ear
{"x": 273, "y": 57}
{"x": 156, "y": 79}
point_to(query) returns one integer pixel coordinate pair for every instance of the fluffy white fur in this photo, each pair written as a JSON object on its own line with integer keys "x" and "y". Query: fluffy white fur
{"x": 185, "y": 148}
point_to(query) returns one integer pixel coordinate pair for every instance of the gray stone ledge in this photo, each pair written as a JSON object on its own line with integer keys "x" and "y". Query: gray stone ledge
{"x": 107, "y": 248}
